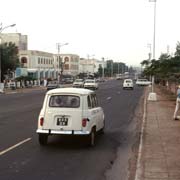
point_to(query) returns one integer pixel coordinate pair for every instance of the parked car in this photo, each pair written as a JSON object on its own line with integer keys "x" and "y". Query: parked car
{"x": 70, "y": 111}
{"x": 91, "y": 84}
{"x": 143, "y": 82}
{"x": 128, "y": 84}
{"x": 53, "y": 85}
{"x": 78, "y": 83}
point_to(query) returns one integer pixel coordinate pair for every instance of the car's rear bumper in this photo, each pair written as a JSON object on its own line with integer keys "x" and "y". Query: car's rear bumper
{"x": 50, "y": 132}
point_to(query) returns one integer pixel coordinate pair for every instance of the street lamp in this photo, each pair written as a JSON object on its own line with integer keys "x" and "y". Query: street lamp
{"x": 102, "y": 68}
{"x": 61, "y": 63}
{"x": 152, "y": 95}
{"x": 149, "y": 46}
{"x": 88, "y": 58}
{"x": 2, "y": 29}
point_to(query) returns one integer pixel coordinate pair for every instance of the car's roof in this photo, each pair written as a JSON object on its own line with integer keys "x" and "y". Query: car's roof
{"x": 81, "y": 91}
{"x": 79, "y": 79}
{"x": 142, "y": 79}
{"x": 90, "y": 80}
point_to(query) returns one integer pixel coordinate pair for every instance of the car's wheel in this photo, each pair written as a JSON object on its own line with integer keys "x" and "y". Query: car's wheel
{"x": 43, "y": 138}
{"x": 91, "y": 137}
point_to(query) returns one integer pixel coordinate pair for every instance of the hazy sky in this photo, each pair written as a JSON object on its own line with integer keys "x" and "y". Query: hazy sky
{"x": 114, "y": 29}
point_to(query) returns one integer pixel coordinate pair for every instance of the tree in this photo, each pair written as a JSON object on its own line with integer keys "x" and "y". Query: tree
{"x": 177, "y": 53}
{"x": 8, "y": 57}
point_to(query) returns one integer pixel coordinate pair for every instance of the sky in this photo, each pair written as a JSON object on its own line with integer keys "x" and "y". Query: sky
{"x": 114, "y": 29}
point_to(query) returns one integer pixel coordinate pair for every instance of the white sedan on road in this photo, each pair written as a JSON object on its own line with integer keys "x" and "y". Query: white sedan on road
{"x": 91, "y": 84}
{"x": 128, "y": 84}
{"x": 70, "y": 111}
{"x": 143, "y": 82}
{"x": 78, "y": 83}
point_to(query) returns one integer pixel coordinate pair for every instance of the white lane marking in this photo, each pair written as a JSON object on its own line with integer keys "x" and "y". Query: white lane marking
{"x": 109, "y": 98}
{"x": 13, "y": 147}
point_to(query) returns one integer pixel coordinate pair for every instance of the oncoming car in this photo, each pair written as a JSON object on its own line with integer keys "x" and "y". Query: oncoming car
{"x": 70, "y": 111}
{"x": 128, "y": 84}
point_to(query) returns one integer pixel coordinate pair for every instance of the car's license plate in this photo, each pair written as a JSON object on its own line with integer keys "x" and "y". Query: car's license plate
{"x": 62, "y": 121}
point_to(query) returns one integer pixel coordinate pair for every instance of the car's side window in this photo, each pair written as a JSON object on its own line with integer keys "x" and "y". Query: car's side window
{"x": 94, "y": 100}
{"x": 89, "y": 102}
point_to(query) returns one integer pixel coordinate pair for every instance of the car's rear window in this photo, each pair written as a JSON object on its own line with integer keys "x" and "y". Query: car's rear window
{"x": 67, "y": 101}
{"x": 128, "y": 81}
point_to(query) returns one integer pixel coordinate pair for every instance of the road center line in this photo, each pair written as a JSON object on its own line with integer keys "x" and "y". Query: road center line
{"x": 13, "y": 147}
{"x": 108, "y": 98}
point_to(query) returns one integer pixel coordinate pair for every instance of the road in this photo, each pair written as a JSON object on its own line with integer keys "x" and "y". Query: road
{"x": 21, "y": 156}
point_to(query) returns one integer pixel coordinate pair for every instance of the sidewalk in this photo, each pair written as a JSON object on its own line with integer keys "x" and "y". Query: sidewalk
{"x": 160, "y": 152}
{"x": 23, "y": 90}
{"x": 34, "y": 88}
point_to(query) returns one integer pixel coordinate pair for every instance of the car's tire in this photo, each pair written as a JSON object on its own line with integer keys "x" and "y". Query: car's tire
{"x": 43, "y": 138}
{"x": 92, "y": 137}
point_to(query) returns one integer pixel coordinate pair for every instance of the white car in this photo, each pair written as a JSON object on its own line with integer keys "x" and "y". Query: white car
{"x": 70, "y": 111}
{"x": 128, "y": 84}
{"x": 143, "y": 82}
{"x": 78, "y": 83}
{"x": 91, "y": 84}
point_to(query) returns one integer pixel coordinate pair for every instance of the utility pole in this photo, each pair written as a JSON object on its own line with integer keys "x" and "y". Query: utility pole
{"x": 102, "y": 68}
{"x": 61, "y": 63}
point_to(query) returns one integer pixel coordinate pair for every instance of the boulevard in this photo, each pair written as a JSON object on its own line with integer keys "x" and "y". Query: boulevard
{"x": 66, "y": 158}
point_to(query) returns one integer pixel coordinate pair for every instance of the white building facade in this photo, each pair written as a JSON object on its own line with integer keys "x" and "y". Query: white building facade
{"x": 43, "y": 65}
{"x": 90, "y": 66}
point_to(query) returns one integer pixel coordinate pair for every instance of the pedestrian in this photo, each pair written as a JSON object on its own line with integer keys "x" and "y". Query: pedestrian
{"x": 177, "y": 104}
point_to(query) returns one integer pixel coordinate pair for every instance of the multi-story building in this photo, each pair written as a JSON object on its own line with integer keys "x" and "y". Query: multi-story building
{"x": 21, "y": 41}
{"x": 90, "y": 66}
{"x": 43, "y": 65}
{"x": 70, "y": 64}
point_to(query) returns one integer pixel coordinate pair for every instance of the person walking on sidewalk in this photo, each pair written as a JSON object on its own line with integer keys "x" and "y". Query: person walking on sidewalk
{"x": 177, "y": 104}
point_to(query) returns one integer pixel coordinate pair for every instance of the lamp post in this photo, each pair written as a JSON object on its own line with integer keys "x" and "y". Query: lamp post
{"x": 61, "y": 63}
{"x": 102, "y": 68}
{"x": 152, "y": 95}
{"x": 2, "y": 29}
{"x": 88, "y": 58}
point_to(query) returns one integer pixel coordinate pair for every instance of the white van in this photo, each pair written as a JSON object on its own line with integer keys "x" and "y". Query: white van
{"x": 70, "y": 111}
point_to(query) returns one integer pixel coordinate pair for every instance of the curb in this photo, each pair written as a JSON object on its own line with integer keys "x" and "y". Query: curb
{"x": 138, "y": 164}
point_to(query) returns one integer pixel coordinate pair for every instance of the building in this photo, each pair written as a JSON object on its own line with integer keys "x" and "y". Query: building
{"x": 70, "y": 64}
{"x": 43, "y": 65}
{"x": 21, "y": 41}
{"x": 90, "y": 66}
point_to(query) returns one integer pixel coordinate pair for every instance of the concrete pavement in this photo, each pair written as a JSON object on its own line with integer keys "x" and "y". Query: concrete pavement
{"x": 34, "y": 88}
{"x": 159, "y": 152}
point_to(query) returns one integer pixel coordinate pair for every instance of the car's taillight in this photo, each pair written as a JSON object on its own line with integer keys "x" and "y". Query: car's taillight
{"x": 84, "y": 122}
{"x": 41, "y": 121}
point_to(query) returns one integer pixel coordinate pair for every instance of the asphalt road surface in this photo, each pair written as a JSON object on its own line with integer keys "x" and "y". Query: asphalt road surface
{"x": 66, "y": 158}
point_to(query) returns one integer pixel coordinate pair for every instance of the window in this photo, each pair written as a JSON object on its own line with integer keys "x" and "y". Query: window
{"x": 64, "y": 101}
{"x": 94, "y": 100}
{"x": 23, "y": 60}
{"x": 89, "y": 102}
